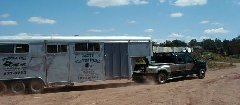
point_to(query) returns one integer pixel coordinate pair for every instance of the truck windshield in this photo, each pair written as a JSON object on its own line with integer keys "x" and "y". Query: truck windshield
{"x": 163, "y": 58}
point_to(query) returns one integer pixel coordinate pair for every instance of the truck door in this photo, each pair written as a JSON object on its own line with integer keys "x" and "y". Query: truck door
{"x": 189, "y": 62}
{"x": 57, "y": 56}
{"x": 180, "y": 62}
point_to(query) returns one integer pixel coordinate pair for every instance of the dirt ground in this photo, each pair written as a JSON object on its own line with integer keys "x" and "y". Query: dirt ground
{"x": 220, "y": 87}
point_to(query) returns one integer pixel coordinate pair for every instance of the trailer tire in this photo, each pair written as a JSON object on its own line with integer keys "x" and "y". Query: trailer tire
{"x": 17, "y": 87}
{"x": 3, "y": 87}
{"x": 36, "y": 86}
{"x": 161, "y": 78}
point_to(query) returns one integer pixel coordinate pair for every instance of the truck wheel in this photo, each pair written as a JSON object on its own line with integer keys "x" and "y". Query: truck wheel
{"x": 3, "y": 87}
{"x": 17, "y": 87}
{"x": 36, "y": 86}
{"x": 161, "y": 78}
{"x": 201, "y": 73}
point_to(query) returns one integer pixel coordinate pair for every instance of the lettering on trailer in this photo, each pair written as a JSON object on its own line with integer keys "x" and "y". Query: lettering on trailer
{"x": 86, "y": 58}
{"x": 88, "y": 75}
{"x": 89, "y": 65}
{"x": 13, "y": 65}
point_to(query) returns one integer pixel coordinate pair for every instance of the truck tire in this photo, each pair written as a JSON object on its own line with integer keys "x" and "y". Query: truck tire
{"x": 161, "y": 78}
{"x": 36, "y": 86}
{"x": 3, "y": 87}
{"x": 201, "y": 73}
{"x": 17, "y": 87}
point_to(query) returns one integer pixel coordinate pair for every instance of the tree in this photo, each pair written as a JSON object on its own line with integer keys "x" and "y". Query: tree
{"x": 208, "y": 45}
{"x": 219, "y": 46}
{"x": 193, "y": 43}
{"x": 179, "y": 43}
{"x": 234, "y": 46}
{"x": 226, "y": 45}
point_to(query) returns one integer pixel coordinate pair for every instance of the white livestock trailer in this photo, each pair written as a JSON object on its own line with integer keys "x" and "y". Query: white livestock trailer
{"x": 34, "y": 62}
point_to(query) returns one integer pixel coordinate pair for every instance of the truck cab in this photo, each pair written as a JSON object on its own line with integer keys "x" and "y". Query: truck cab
{"x": 168, "y": 65}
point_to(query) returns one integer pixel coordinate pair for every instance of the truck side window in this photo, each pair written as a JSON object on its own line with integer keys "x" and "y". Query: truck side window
{"x": 163, "y": 58}
{"x": 189, "y": 59}
{"x": 179, "y": 59}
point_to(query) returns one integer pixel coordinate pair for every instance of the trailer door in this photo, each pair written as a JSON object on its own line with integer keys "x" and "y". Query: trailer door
{"x": 116, "y": 60}
{"x": 57, "y": 63}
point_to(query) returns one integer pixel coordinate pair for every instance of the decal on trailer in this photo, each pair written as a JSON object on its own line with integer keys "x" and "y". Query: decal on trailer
{"x": 90, "y": 64}
{"x": 14, "y": 65}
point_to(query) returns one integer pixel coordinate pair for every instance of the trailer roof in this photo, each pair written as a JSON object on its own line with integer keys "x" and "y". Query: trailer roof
{"x": 9, "y": 39}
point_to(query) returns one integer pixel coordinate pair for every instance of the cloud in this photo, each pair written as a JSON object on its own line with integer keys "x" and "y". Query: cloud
{"x": 216, "y": 23}
{"x": 139, "y": 2}
{"x": 184, "y": 3}
{"x": 237, "y": 2}
{"x": 34, "y": 34}
{"x": 175, "y": 35}
{"x": 162, "y": 1}
{"x": 204, "y": 37}
{"x": 132, "y": 21}
{"x": 97, "y": 13}
{"x": 178, "y": 36}
{"x": 8, "y": 23}
{"x": 176, "y": 15}
{"x": 149, "y": 30}
{"x": 216, "y": 31}
{"x": 41, "y": 20}
{"x": 204, "y": 22}
{"x": 5, "y": 15}
{"x": 109, "y": 3}
{"x": 101, "y": 30}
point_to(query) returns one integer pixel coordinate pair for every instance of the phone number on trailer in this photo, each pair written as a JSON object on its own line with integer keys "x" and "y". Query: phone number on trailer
{"x": 15, "y": 73}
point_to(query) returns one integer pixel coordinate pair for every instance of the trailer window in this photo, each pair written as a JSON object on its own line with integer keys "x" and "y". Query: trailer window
{"x": 56, "y": 48}
{"x": 8, "y": 48}
{"x": 62, "y": 48}
{"x": 81, "y": 47}
{"x": 14, "y": 48}
{"x": 87, "y": 47}
{"x": 52, "y": 48}
{"x": 93, "y": 47}
{"x": 22, "y": 48}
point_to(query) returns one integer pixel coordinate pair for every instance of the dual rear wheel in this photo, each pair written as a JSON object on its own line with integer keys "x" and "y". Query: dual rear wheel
{"x": 17, "y": 87}
{"x": 3, "y": 87}
{"x": 34, "y": 86}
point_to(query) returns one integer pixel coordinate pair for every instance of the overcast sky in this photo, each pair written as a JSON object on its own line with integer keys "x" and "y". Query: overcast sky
{"x": 160, "y": 19}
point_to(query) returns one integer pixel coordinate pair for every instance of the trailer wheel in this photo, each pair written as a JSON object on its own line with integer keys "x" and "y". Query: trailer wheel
{"x": 3, "y": 87}
{"x": 161, "y": 78}
{"x": 36, "y": 86}
{"x": 17, "y": 87}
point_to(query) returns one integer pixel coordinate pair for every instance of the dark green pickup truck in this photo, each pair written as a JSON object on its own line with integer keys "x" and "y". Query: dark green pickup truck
{"x": 169, "y": 65}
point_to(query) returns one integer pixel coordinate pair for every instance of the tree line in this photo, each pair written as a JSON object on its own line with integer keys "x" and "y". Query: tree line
{"x": 224, "y": 47}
